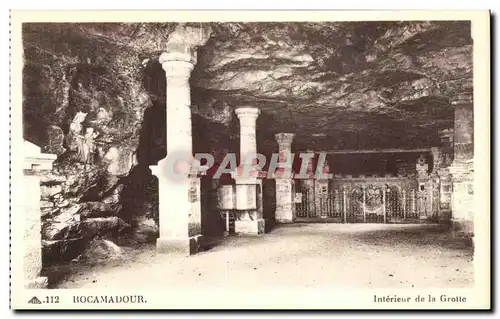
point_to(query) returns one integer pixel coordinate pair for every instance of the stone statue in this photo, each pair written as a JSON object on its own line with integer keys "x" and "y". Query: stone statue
{"x": 422, "y": 202}
{"x": 73, "y": 139}
{"x": 88, "y": 146}
{"x": 84, "y": 144}
{"x": 76, "y": 125}
{"x": 422, "y": 166}
{"x": 421, "y": 160}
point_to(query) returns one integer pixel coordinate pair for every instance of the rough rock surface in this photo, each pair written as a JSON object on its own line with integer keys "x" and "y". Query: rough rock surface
{"x": 358, "y": 84}
{"x": 101, "y": 249}
{"x": 94, "y": 94}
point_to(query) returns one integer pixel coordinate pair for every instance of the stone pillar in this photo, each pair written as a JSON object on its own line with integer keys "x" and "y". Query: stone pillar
{"x": 34, "y": 163}
{"x": 321, "y": 190}
{"x": 309, "y": 184}
{"x": 249, "y": 218}
{"x": 437, "y": 158}
{"x": 179, "y": 183}
{"x": 447, "y": 149}
{"x": 462, "y": 169}
{"x": 435, "y": 180}
{"x": 248, "y": 138}
{"x": 424, "y": 191}
{"x": 285, "y": 186}
{"x": 441, "y": 184}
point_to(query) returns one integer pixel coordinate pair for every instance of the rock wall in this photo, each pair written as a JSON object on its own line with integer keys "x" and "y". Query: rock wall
{"x": 85, "y": 101}
{"x": 98, "y": 102}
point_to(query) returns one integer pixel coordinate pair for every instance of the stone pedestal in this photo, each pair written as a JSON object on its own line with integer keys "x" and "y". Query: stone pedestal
{"x": 285, "y": 186}
{"x": 285, "y": 206}
{"x": 34, "y": 162}
{"x": 249, "y": 205}
{"x": 250, "y": 227}
{"x": 463, "y": 197}
{"x": 180, "y": 214}
{"x": 445, "y": 193}
{"x": 178, "y": 180}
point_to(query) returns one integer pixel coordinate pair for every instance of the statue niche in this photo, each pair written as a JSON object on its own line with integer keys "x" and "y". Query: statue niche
{"x": 83, "y": 144}
{"x": 422, "y": 167}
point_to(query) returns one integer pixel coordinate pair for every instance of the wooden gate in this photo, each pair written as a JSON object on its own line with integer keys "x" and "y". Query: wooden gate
{"x": 367, "y": 203}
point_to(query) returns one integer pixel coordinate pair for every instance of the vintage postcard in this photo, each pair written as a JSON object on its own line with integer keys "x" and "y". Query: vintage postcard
{"x": 250, "y": 160}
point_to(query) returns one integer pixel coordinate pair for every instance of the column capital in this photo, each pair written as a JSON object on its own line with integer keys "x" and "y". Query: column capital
{"x": 177, "y": 58}
{"x": 247, "y": 113}
{"x": 285, "y": 160}
{"x": 284, "y": 138}
{"x": 176, "y": 69}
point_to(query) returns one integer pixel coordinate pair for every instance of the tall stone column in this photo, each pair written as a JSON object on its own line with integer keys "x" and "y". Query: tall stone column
{"x": 437, "y": 158}
{"x": 447, "y": 149}
{"x": 248, "y": 139}
{"x": 285, "y": 186}
{"x": 441, "y": 184}
{"x": 321, "y": 189}
{"x": 249, "y": 219}
{"x": 425, "y": 190}
{"x": 178, "y": 179}
{"x": 34, "y": 163}
{"x": 462, "y": 169}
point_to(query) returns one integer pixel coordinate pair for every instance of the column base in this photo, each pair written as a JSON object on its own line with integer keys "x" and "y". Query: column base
{"x": 184, "y": 246}
{"x": 253, "y": 227}
{"x": 283, "y": 219}
{"x": 444, "y": 215}
{"x": 37, "y": 283}
{"x": 269, "y": 224}
{"x": 462, "y": 226}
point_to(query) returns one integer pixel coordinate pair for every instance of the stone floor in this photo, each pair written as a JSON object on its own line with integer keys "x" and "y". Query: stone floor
{"x": 296, "y": 255}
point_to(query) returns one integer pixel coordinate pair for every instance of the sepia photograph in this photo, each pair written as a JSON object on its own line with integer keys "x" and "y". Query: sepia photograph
{"x": 258, "y": 152}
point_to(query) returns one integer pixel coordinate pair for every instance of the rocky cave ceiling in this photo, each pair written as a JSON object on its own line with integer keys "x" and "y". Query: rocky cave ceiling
{"x": 344, "y": 85}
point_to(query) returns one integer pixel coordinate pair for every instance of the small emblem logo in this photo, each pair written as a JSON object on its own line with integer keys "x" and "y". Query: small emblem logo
{"x": 35, "y": 300}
